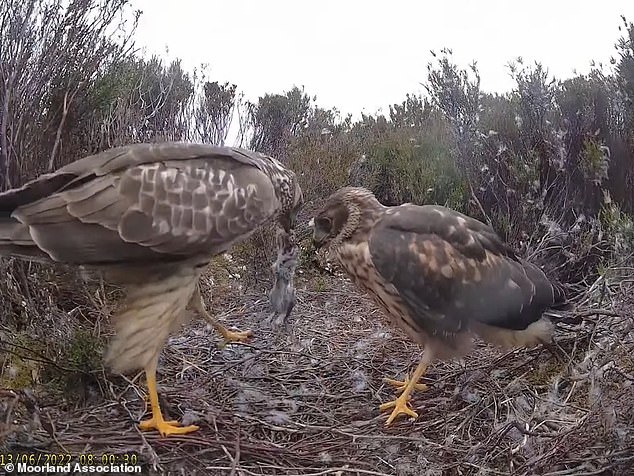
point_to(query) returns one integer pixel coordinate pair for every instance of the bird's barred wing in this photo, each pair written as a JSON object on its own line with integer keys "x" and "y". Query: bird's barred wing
{"x": 142, "y": 202}
{"x": 451, "y": 269}
{"x": 115, "y": 160}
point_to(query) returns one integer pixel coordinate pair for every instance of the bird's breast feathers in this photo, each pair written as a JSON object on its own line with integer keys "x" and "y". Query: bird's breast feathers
{"x": 356, "y": 259}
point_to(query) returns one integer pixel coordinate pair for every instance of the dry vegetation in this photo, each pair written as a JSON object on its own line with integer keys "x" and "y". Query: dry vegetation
{"x": 306, "y": 401}
{"x": 549, "y": 165}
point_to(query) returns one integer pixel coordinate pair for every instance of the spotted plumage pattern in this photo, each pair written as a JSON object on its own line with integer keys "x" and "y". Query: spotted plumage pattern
{"x": 150, "y": 217}
{"x": 443, "y": 277}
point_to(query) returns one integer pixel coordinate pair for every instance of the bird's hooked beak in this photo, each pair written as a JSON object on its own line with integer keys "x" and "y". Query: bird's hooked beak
{"x": 319, "y": 236}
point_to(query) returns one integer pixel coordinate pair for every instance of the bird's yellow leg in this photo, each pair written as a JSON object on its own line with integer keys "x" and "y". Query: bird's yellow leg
{"x": 227, "y": 335}
{"x": 401, "y": 404}
{"x": 157, "y": 422}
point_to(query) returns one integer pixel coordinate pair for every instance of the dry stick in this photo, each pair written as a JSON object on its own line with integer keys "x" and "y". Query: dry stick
{"x": 597, "y": 312}
{"x": 7, "y": 421}
{"x": 41, "y": 358}
{"x": 54, "y": 433}
{"x": 236, "y": 458}
{"x": 60, "y": 127}
{"x": 475, "y": 198}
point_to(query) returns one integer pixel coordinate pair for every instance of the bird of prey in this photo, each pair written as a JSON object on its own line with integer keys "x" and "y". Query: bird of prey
{"x": 149, "y": 217}
{"x": 443, "y": 277}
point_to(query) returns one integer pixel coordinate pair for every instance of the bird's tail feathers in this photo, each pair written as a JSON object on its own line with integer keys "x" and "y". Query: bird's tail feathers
{"x": 14, "y": 232}
{"x": 538, "y": 332}
{"x": 16, "y": 241}
{"x": 561, "y": 302}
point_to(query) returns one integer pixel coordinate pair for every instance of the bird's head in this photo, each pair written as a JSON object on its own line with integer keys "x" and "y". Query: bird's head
{"x": 341, "y": 215}
{"x": 287, "y": 190}
{"x": 291, "y": 206}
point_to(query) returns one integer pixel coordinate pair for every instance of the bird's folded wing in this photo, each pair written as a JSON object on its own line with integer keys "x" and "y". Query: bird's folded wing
{"x": 118, "y": 159}
{"x": 186, "y": 201}
{"x": 451, "y": 270}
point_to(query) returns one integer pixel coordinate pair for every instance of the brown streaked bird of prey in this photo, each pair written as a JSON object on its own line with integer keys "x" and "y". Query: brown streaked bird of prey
{"x": 149, "y": 217}
{"x": 443, "y": 277}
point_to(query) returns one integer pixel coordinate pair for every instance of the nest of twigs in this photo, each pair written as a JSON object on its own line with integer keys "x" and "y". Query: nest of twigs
{"x": 305, "y": 400}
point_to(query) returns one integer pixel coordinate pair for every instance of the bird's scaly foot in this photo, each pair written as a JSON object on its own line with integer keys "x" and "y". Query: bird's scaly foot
{"x": 228, "y": 336}
{"x": 166, "y": 428}
{"x": 234, "y": 336}
{"x": 157, "y": 422}
{"x": 401, "y": 406}
{"x": 400, "y": 385}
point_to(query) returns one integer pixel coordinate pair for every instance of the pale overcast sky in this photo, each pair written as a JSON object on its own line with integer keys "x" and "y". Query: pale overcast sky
{"x": 365, "y": 55}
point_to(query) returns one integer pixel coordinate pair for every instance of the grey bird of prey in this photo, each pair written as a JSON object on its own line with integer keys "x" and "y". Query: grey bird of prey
{"x": 149, "y": 217}
{"x": 441, "y": 276}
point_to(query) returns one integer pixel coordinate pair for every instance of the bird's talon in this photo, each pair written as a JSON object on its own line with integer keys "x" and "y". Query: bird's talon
{"x": 235, "y": 336}
{"x": 401, "y": 406}
{"x": 400, "y": 385}
{"x": 166, "y": 428}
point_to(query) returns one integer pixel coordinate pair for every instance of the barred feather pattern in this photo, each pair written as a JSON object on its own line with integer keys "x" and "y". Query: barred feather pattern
{"x": 150, "y": 311}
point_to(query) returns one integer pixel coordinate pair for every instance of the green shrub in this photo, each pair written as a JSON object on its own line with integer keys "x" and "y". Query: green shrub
{"x": 410, "y": 166}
